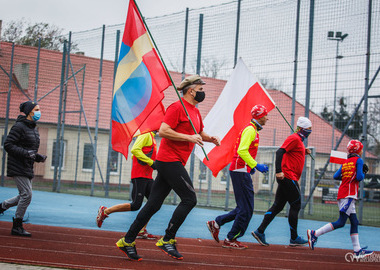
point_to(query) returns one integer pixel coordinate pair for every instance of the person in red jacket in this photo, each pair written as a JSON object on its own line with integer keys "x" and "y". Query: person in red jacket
{"x": 178, "y": 140}
{"x": 290, "y": 159}
{"x": 351, "y": 173}
{"x": 143, "y": 156}
{"x": 243, "y": 165}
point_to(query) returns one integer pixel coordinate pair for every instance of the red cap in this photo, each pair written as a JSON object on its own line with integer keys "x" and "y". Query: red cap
{"x": 354, "y": 146}
{"x": 258, "y": 111}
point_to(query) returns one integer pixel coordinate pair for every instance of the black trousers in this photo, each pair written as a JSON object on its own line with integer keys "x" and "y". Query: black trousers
{"x": 287, "y": 191}
{"x": 171, "y": 176}
{"x": 141, "y": 188}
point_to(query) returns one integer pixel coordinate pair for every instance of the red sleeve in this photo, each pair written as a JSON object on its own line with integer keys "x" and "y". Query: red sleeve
{"x": 201, "y": 122}
{"x": 172, "y": 116}
{"x": 289, "y": 143}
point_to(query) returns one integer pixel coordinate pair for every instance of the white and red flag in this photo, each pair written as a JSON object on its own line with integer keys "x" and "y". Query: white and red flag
{"x": 338, "y": 157}
{"x": 231, "y": 112}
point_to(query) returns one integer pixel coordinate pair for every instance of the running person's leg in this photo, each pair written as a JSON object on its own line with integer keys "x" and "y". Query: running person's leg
{"x": 143, "y": 234}
{"x": 179, "y": 180}
{"x": 294, "y": 199}
{"x": 138, "y": 191}
{"x": 278, "y": 205}
{"x": 243, "y": 190}
{"x": 160, "y": 190}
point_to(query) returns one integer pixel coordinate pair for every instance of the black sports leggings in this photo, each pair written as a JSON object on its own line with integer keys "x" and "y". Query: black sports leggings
{"x": 287, "y": 191}
{"x": 171, "y": 175}
{"x": 141, "y": 188}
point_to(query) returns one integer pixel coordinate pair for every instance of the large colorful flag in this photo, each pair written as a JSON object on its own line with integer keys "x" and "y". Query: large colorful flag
{"x": 231, "y": 112}
{"x": 139, "y": 84}
{"x": 337, "y": 157}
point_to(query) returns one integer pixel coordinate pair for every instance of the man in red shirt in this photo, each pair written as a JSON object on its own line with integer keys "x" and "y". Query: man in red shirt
{"x": 290, "y": 159}
{"x": 177, "y": 143}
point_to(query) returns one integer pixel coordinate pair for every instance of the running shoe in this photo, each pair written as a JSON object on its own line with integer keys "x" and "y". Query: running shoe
{"x": 129, "y": 249}
{"x": 312, "y": 239}
{"x": 145, "y": 235}
{"x": 101, "y": 216}
{"x": 213, "y": 230}
{"x": 362, "y": 253}
{"x": 2, "y": 210}
{"x": 234, "y": 244}
{"x": 169, "y": 248}
{"x": 260, "y": 237}
{"x": 299, "y": 241}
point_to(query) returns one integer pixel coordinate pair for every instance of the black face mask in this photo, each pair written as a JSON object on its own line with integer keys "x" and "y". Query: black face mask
{"x": 200, "y": 96}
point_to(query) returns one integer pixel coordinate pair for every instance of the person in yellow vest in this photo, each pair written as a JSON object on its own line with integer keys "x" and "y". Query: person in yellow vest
{"x": 242, "y": 166}
{"x": 143, "y": 156}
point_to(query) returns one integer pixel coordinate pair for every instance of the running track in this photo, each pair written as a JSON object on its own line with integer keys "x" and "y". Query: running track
{"x": 89, "y": 249}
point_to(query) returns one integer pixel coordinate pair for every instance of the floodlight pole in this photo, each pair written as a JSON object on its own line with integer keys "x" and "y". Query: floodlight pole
{"x": 338, "y": 38}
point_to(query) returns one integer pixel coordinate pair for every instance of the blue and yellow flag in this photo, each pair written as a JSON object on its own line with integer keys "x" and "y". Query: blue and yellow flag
{"x": 139, "y": 84}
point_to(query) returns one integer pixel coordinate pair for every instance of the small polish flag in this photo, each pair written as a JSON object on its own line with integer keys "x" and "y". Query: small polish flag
{"x": 338, "y": 157}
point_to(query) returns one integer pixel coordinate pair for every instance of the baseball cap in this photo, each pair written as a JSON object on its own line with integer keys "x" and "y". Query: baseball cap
{"x": 193, "y": 79}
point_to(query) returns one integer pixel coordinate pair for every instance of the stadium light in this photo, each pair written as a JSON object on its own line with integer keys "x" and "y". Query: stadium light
{"x": 338, "y": 37}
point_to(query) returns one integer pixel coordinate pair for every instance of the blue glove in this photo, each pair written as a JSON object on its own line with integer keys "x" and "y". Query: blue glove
{"x": 253, "y": 170}
{"x": 262, "y": 168}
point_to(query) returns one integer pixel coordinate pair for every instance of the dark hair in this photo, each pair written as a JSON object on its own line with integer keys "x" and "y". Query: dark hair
{"x": 184, "y": 90}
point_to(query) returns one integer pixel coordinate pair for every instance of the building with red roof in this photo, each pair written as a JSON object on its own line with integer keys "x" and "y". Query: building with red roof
{"x": 77, "y": 144}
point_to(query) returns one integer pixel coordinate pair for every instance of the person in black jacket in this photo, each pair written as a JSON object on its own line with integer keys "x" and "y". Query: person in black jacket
{"x": 22, "y": 145}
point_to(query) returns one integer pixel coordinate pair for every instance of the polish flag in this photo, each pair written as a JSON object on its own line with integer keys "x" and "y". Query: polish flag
{"x": 337, "y": 157}
{"x": 232, "y": 112}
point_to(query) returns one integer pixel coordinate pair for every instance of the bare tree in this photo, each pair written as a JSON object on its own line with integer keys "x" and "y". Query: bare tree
{"x": 210, "y": 66}
{"x": 25, "y": 33}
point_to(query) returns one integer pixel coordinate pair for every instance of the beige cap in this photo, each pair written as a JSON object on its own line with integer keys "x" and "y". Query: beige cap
{"x": 193, "y": 79}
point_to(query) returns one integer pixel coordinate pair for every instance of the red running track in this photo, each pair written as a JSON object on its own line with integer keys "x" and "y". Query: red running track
{"x": 92, "y": 249}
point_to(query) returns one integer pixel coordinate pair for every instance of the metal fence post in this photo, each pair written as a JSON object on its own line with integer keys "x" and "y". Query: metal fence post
{"x": 295, "y": 65}
{"x": 237, "y": 32}
{"x": 365, "y": 109}
{"x": 79, "y": 132}
{"x": 61, "y": 151}
{"x": 7, "y": 117}
{"x": 110, "y": 132}
{"x": 58, "y": 142}
{"x": 97, "y": 113}
{"x": 37, "y": 70}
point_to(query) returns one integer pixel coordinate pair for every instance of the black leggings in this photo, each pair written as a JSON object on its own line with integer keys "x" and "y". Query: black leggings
{"x": 141, "y": 188}
{"x": 171, "y": 175}
{"x": 287, "y": 191}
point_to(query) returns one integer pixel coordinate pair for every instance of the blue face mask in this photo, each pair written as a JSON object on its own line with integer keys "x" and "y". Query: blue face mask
{"x": 304, "y": 133}
{"x": 36, "y": 116}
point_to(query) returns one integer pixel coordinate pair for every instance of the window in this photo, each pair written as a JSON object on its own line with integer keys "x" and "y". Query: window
{"x": 54, "y": 159}
{"x": 88, "y": 156}
{"x": 114, "y": 161}
{"x": 225, "y": 175}
{"x": 265, "y": 181}
{"x": 21, "y": 75}
{"x": 202, "y": 172}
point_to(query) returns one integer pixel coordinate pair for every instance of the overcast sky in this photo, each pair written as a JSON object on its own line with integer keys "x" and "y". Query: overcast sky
{"x": 79, "y": 15}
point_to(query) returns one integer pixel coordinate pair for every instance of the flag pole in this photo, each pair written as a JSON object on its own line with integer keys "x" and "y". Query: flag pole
{"x": 290, "y": 126}
{"x": 167, "y": 71}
